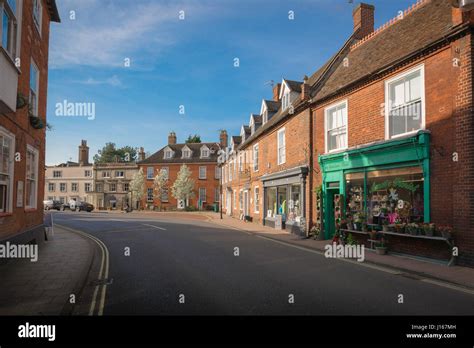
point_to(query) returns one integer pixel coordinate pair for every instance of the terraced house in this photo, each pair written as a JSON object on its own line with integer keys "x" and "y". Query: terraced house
{"x": 200, "y": 158}
{"x": 391, "y": 138}
{"x": 24, "y": 45}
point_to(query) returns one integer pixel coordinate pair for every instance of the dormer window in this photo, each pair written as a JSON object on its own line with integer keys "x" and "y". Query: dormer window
{"x": 265, "y": 116}
{"x": 186, "y": 153}
{"x": 204, "y": 152}
{"x": 168, "y": 154}
{"x": 285, "y": 101}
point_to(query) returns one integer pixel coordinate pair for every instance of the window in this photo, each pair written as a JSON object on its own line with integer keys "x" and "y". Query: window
{"x": 87, "y": 173}
{"x": 336, "y": 127}
{"x": 31, "y": 177}
{"x": 74, "y": 187}
{"x": 9, "y": 27}
{"x": 256, "y": 199}
{"x": 217, "y": 195}
{"x": 217, "y": 172}
{"x": 149, "y": 195}
{"x": 7, "y": 142}
{"x": 106, "y": 174}
{"x": 234, "y": 198}
{"x": 62, "y": 187}
{"x": 405, "y": 103}
{"x": 265, "y": 116}
{"x": 113, "y": 187}
{"x": 119, "y": 174}
{"x": 34, "y": 86}
{"x": 186, "y": 153}
{"x": 281, "y": 146}
{"x": 255, "y": 158}
{"x": 241, "y": 200}
{"x": 204, "y": 152}
{"x": 285, "y": 100}
{"x": 294, "y": 205}
{"x": 164, "y": 195}
{"x": 230, "y": 171}
{"x": 202, "y": 194}
{"x": 202, "y": 172}
{"x": 37, "y": 14}
{"x": 98, "y": 187}
{"x": 241, "y": 162}
{"x": 149, "y": 173}
{"x": 126, "y": 187}
{"x": 166, "y": 170}
{"x": 51, "y": 187}
{"x": 168, "y": 154}
{"x": 88, "y": 187}
{"x": 57, "y": 174}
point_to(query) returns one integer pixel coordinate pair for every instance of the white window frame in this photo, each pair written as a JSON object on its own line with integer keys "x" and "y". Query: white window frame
{"x": 217, "y": 172}
{"x": 217, "y": 194}
{"x": 35, "y": 151}
{"x": 168, "y": 154}
{"x": 118, "y": 172}
{"x": 150, "y": 175}
{"x": 85, "y": 187}
{"x": 167, "y": 171}
{"x": 74, "y": 187}
{"x": 326, "y": 114}
{"x": 88, "y": 173}
{"x": 65, "y": 187}
{"x": 255, "y": 157}
{"x": 186, "y": 153}
{"x": 126, "y": 187}
{"x": 203, "y": 177}
{"x": 112, "y": 184}
{"x": 53, "y": 185}
{"x": 202, "y": 189}
{"x": 388, "y": 82}
{"x": 256, "y": 201}
{"x": 106, "y": 174}
{"x": 99, "y": 187}
{"x": 34, "y": 66}
{"x": 279, "y": 160}
{"x": 57, "y": 176}
{"x": 11, "y": 172}
{"x": 37, "y": 4}
{"x": 234, "y": 199}
{"x": 205, "y": 152}
{"x": 13, "y": 27}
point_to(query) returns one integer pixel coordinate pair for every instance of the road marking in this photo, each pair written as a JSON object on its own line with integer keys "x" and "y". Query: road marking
{"x": 447, "y": 285}
{"x": 160, "y": 228}
{"x": 103, "y": 271}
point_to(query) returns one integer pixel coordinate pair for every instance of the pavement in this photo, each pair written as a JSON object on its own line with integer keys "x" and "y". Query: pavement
{"x": 45, "y": 287}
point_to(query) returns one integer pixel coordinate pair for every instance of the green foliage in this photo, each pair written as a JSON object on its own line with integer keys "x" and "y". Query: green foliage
{"x": 193, "y": 139}
{"x": 110, "y": 153}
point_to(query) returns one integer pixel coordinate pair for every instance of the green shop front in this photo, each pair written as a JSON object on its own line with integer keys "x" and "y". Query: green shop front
{"x": 380, "y": 192}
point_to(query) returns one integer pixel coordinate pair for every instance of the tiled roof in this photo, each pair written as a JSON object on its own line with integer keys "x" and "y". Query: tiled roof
{"x": 236, "y": 139}
{"x": 272, "y": 105}
{"x": 294, "y": 85}
{"x": 416, "y": 30}
{"x": 158, "y": 157}
{"x": 257, "y": 118}
{"x": 53, "y": 11}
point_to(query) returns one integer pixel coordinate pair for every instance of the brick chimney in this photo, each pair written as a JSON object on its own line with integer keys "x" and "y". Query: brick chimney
{"x": 172, "y": 138}
{"x": 363, "y": 16}
{"x": 83, "y": 153}
{"x": 462, "y": 12}
{"x": 305, "y": 89}
{"x": 224, "y": 139}
{"x": 276, "y": 91}
{"x": 141, "y": 154}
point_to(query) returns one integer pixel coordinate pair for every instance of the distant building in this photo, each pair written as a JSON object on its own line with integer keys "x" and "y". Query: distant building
{"x": 201, "y": 158}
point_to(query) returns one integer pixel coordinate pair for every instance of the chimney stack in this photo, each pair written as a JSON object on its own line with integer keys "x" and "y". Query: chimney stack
{"x": 276, "y": 92}
{"x": 305, "y": 89}
{"x": 224, "y": 139}
{"x": 363, "y": 16}
{"x": 172, "y": 138}
{"x": 462, "y": 12}
{"x": 141, "y": 154}
{"x": 83, "y": 153}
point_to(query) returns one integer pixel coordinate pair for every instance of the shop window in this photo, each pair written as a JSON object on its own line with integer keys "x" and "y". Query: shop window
{"x": 282, "y": 203}
{"x": 271, "y": 198}
{"x": 294, "y": 205}
{"x": 355, "y": 196}
{"x": 405, "y": 103}
{"x": 396, "y": 195}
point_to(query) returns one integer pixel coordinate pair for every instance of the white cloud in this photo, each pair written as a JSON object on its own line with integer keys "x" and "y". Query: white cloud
{"x": 113, "y": 81}
{"x": 107, "y": 32}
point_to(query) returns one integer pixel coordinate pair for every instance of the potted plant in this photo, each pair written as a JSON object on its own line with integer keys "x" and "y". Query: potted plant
{"x": 385, "y": 225}
{"x": 412, "y": 228}
{"x": 365, "y": 227}
{"x": 315, "y": 231}
{"x": 381, "y": 247}
{"x": 446, "y": 232}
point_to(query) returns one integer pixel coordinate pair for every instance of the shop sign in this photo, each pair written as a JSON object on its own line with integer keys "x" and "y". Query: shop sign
{"x": 396, "y": 183}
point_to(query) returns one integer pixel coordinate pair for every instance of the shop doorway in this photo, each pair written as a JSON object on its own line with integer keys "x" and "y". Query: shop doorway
{"x": 332, "y": 194}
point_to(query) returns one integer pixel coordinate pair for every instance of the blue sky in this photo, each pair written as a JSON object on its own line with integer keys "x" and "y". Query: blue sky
{"x": 186, "y": 62}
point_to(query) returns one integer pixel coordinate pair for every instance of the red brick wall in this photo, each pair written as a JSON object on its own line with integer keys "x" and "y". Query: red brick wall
{"x": 33, "y": 46}
{"x": 210, "y": 183}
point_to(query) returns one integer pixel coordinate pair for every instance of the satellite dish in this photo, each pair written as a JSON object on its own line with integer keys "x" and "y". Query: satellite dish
{"x": 464, "y": 5}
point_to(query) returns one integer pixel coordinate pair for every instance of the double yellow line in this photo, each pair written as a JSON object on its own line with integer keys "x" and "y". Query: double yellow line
{"x": 103, "y": 273}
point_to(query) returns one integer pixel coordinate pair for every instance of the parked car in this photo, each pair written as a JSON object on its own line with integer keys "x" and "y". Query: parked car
{"x": 74, "y": 205}
{"x": 51, "y": 204}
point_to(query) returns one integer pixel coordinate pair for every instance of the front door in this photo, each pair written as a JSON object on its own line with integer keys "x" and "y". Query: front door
{"x": 246, "y": 203}
{"x": 330, "y": 223}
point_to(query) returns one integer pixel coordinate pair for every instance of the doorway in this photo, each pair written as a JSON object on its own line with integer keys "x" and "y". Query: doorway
{"x": 332, "y": 209}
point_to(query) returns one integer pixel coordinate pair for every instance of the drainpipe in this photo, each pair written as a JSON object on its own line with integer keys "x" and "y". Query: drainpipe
{"x": 311, "y": 169}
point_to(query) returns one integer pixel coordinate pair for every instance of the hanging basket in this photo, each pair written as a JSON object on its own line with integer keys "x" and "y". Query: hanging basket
{"x": 36, "y": 122}
{"x": 21, "y": 101}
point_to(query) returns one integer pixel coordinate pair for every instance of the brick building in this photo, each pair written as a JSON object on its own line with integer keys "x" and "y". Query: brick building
{"x": 24, "y": 45}
{"x": 200, "y": 158}
{"x": 266, "y": 170}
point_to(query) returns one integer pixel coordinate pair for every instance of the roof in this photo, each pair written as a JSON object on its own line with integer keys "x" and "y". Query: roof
{"x": 53, "y": 11}
{"x": 246, "y": 129}
{"x": 428, "y": 23}
{"x": 294, "y": 85}
{"x": 236, "y": 139}
{"x": 257, "y": 118}
{"x": 272, "y": 105}
{"x": 158, "y": 157}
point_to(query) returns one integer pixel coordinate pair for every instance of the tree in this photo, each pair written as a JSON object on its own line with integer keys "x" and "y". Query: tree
{"x": 137, "y": 186}
{"x": 183, "y": 187}
{"x": 110, "y": 153}
{"x": 160, "y": 184}
{"x": 193, "y": 139}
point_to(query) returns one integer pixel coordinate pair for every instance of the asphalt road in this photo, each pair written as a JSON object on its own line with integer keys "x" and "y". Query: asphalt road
{"x": 197, "y": 259}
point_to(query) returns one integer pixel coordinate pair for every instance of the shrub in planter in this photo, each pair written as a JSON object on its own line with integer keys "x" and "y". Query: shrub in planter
{"x": 314, "y": 233}
{"x": 412, "y": 229}
{"x": 381, "y": 247}
{"x": 385, "y": 225}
